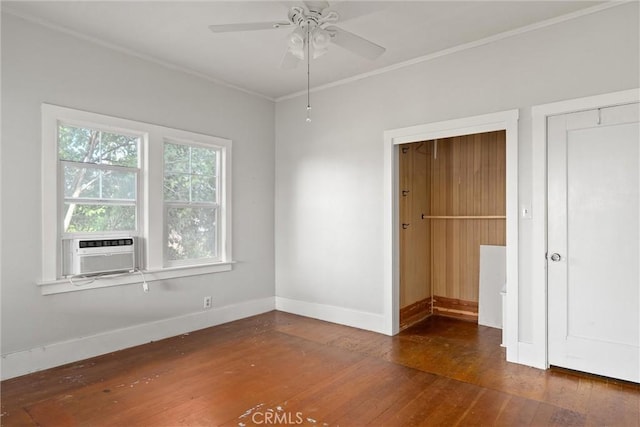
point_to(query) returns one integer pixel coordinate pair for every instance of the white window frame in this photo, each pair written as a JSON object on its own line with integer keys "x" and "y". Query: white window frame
{"x": 216, "y": 205}
{"x": 60, "y": 176}
{"x": 150, "y": 196}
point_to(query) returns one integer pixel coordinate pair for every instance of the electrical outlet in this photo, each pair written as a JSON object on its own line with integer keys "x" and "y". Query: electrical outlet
{"x": 207, "y": 302}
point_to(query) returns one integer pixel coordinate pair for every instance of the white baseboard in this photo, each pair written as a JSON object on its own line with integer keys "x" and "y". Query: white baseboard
{"x": 49, "y": 356}
{"x": 343, "y": 316}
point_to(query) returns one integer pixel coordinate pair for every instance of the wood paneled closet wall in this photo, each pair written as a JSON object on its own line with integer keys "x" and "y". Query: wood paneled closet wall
{"x": 452, "y": 200}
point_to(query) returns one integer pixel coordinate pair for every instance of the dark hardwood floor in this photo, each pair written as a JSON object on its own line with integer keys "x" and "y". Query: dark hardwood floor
{"x": 283, "y": 369}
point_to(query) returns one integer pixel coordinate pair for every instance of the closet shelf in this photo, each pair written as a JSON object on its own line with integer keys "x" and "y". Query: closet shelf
{"x": 463, "y": 216}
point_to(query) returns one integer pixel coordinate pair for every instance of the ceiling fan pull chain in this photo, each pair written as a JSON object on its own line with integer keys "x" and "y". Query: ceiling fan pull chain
{"x": 308, "y": 75}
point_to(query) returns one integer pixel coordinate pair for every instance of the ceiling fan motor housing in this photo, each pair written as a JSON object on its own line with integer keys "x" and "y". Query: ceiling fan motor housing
{"x": 311, "y": 19}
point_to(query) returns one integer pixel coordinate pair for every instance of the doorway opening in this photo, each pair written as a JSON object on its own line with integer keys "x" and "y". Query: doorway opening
{"x": 394, "y": 139}
{"x": 452, "y": 230}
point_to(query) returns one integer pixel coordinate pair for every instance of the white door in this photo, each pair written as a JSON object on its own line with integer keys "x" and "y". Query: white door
{"x": 593, "y": 245}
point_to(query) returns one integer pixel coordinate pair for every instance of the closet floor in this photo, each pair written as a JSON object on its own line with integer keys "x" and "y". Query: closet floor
{"x": 279, "y": 368}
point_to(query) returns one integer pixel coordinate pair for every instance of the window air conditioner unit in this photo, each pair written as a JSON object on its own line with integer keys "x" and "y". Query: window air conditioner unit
{"x": 98, "y": 255}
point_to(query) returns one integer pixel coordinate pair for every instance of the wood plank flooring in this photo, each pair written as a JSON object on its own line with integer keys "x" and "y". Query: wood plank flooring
{"x": 282, "y": 369}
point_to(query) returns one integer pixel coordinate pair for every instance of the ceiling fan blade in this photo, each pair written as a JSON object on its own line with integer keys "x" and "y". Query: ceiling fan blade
{"x": 289, "y": 61}
{"x": 354, "y": 43}
{"x": 317, "y": 6}
{"x": 249, "y": 26}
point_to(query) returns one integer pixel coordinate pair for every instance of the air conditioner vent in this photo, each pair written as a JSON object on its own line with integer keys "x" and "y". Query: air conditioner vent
{"x": 105, "y": 242}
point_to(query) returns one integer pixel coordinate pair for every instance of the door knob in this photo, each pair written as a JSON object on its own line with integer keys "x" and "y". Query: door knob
{"x": 555, "y": 257}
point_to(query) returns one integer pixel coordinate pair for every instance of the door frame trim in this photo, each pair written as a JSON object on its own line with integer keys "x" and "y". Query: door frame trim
{"x": 504, "y": 120}
{"x": 538, "y": 350}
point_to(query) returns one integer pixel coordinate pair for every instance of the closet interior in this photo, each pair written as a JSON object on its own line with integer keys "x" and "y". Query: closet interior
{"x": 452, "y": 199}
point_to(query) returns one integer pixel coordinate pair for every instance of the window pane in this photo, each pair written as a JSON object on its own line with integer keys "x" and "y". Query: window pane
{"x": 118, "y": 185}
{"x": 203, "y": 161}
{"x": 189, "y": 173}
{"x": 78, "y": 144}
{"x": 95, "y": 218}
{"x": 176, "y": 187}
{"x": 203, "y": 189}
{"x": 92, "y": 146}
{"x": 176, "y": 158}
{"x": 121, "y": 150}
{"x": 81, "y": 182}
{"x": 93, "y": 183}
{"x": 191, "y": 233}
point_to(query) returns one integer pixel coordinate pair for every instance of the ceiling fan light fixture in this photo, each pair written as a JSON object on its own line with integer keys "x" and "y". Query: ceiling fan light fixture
{"x": 296, "y": 42}
{"x": 320, "y": 40}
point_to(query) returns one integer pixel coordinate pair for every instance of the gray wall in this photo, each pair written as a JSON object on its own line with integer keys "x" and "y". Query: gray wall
{"x": 329, "y": 174}
{"x": 41, "y": 65}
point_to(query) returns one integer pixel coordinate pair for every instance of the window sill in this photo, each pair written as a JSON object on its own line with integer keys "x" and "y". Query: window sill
{"x": 60, "y": 286}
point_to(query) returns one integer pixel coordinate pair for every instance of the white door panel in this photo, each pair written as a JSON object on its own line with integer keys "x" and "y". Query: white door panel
{"x": 594, "y": 225}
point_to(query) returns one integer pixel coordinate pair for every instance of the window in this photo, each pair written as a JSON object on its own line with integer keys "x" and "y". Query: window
{"x": 99, "y": 178}
{"x": 170, "y": 188}
{"x": 191, "y": 203}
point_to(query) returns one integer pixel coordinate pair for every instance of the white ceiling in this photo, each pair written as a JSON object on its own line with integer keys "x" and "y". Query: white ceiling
{"x": 176, "y": 33}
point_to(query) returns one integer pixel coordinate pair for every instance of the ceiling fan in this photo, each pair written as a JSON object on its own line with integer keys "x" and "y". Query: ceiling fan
{"x": 313, "y": 31}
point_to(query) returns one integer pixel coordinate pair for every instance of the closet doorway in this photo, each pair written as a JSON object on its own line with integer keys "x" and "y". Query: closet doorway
{"x": 452, "y": 201}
